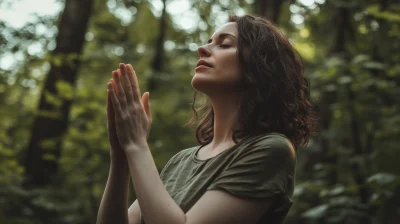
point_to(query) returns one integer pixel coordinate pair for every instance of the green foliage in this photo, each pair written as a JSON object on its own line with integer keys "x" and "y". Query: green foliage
{"x": 387, "y": 15}
{"x": 355, "y": 80}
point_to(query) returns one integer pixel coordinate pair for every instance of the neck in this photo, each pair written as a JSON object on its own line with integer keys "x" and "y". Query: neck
{"x": 225, "y": 119}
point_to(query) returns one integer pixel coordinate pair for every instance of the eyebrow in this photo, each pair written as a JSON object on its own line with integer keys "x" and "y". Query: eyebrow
{"x": 221, "y": 36}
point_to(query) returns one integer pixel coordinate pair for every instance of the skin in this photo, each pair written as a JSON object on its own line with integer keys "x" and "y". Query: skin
{"x": 221, "y": 83}
{"x": 124, "y": 108}
{"x": 129, "y": 122}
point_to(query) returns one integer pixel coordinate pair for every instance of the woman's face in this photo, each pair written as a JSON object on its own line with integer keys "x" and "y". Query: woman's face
{"x": 218, "y": 67}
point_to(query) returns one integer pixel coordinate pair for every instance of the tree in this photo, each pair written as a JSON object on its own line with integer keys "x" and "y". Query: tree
{"x": 269, "y": 8}
{"x": 157, "y": 63}
{"x": 51, "y": 122}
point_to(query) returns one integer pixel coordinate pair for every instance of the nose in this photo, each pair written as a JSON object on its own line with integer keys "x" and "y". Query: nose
{"x": 203, "y": 51}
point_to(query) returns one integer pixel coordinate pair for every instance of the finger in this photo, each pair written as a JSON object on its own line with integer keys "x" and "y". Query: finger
{"x": 125, "y": 81}
{"x": 114, "y": 99}
{"x": 114, "y": 85}
{"x": 146, "y": 103}
{"x": 114, "y": 78}
{"x": 113, "y": 82}
{"x": 126, "y": 84}
{"x": 120, "y": 90}
{"x": 110, "y": 109}
{"x": 134, "y": 82}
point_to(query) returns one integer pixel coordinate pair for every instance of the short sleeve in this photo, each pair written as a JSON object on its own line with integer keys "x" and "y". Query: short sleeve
{"x": 264, "y": 169}
{"x": 165, "y": 168}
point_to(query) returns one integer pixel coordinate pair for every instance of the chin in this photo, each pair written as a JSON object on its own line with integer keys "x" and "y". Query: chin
{"x": 201, "y": 82}
{"x": 204, "y": 84}
{"x": 198, "y": 82}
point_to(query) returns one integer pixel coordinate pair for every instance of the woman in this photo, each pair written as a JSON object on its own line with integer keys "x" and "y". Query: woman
{"x": 244, "y": 169}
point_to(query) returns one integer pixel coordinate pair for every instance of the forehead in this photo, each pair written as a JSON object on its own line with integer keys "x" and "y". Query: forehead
{"x": 230, "y": 28}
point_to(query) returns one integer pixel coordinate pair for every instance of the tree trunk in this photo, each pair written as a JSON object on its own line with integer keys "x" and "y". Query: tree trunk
{"x": 268, "y": 8}
{"x": 158, "y": 59}
{"x": 51, "y": 122}
{"x": 358, "y": 150}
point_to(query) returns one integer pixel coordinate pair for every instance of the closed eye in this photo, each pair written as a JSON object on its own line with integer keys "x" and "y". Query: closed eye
{"x": 225, "y": 45}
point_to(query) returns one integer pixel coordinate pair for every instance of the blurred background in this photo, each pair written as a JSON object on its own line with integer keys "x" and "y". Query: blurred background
{"x": 57, "y": 56}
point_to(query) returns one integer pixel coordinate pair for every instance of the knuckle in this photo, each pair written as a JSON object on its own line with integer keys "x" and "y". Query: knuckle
{"x": 126, "y": 116}
{"x": 136, "y": 108}
{"x": 123, "y": 117}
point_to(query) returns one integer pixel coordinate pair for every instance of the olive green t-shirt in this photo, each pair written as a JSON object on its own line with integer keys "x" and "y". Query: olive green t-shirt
{"x": 258, "y": 167}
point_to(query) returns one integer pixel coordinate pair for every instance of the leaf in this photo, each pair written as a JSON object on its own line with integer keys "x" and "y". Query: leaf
{"x": 374, "y": 65}
{"x": 330, "y": 87}
{"x": 52, "y": 99}
{"x": 360, "y": 58}
{"x": 375, "y": 11}
{"x": 49, "y": 157}
{"x": 335, "y": 62}
{"x": 64, "y": 89}
{"x": 316, "y": 212}
{"x": 337, "y": 191}
{"x": 345, "y": 80}
{"x": 57, "y": 60}
{"x": 382, "y": 178}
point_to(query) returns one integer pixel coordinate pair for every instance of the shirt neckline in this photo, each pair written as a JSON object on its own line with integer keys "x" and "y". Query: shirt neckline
{"x": 197, "y": 160}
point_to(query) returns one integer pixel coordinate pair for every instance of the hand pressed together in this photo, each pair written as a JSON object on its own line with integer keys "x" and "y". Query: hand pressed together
{"x": 128, "y": 115}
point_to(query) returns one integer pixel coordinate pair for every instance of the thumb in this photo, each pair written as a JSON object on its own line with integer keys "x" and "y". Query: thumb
{"x": 146, "y": 104}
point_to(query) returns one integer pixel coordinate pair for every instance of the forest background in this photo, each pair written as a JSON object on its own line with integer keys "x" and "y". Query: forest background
{"x": 53, "y": 74}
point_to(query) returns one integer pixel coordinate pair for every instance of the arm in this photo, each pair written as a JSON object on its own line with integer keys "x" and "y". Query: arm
{"x": 215, "y": 206}
{"x": 133, "y": 120}
{"x": 114, "y": 203}
{"x": 150, "y": 191}
{"x": 134, "y": 213}
{"x": 113, "y": 206}
{"x": 264, "y": 170}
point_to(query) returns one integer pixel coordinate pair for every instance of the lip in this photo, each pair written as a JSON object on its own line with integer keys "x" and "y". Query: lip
{"x": 201, "y": 66}
{"x": 204, "y": 63}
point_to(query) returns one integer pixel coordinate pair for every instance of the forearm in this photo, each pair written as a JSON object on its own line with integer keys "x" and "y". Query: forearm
{"x": 156, "y": 204}
{"x": 114, "y": 203}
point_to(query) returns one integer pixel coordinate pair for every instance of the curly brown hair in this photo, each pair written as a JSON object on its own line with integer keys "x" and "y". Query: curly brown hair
{"x": 277, "y": 94}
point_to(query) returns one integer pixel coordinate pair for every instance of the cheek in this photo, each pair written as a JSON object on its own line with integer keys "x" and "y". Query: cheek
{"x": 229, "y": 67}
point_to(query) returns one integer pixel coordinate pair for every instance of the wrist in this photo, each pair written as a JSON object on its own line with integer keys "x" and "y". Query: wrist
{"x": 119, "y": 165}
{"x": 118, "y": 158}
{"x": 117, "y": 153}
{"x": 137, "y": 147}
